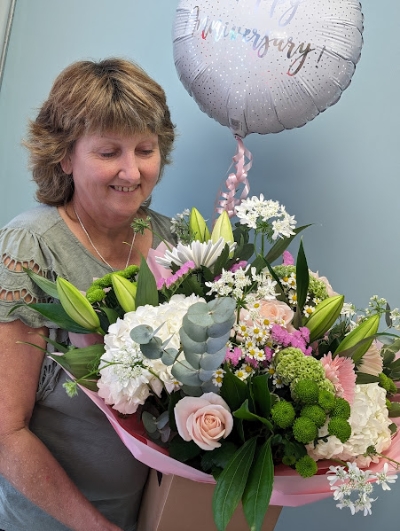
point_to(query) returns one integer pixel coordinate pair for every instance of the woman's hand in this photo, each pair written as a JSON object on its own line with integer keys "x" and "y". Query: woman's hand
{"x": 24, "y": 460}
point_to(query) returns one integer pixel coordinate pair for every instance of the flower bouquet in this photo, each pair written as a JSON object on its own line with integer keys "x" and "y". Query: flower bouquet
{"x": 214, "y": 364}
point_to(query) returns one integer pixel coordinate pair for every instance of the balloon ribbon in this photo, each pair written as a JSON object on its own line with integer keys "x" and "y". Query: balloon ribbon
{"x": 235, "y": 180}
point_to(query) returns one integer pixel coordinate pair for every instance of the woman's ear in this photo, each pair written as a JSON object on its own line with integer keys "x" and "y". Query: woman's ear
{"x": 66, "y": 164}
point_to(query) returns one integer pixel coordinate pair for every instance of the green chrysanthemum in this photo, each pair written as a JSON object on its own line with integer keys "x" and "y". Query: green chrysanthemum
{"x": 315, "y": 413}
{"x": 340, "y": 428}
{"x": 283, "y": 414}
{"x": 306, "y": 466}
{"x": 304, "y": 430}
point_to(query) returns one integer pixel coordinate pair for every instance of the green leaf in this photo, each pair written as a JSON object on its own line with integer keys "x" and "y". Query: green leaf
{"x": 182, "y": 450}
{"x": 282, "y": 244}
{"x": 56, "y": 313}
{"x": 233, "y": 390}
{"x": 231, "y": 484}
{"x": 258, "y": 489}
{"x": 81, "y": 362}
{"x": 363, "y": 378}
{"x": 46, "y": 285}
{"x": 261, "y": 394}
{"x": 147, "y": 292}
{"x": 245, "y": 414}
{"x": 219, "y": 457}
{"x": 394, "y": 410}
{"x": 302, "y": 282}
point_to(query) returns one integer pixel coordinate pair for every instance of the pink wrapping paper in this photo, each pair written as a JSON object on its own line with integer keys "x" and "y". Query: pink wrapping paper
{"x": 290, "y": 490}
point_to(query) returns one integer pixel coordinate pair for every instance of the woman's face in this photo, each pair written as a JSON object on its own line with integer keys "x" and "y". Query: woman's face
{"x": 113, "y": 173}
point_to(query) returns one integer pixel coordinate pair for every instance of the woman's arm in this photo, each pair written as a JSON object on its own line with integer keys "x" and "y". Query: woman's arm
{"x": 24, "y": 459}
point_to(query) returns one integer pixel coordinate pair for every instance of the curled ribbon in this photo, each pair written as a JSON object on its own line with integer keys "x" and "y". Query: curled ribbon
{"x": 234, "y": 180}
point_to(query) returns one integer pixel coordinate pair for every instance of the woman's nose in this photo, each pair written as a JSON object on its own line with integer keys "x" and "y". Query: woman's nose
{"x": 129, "y": 168}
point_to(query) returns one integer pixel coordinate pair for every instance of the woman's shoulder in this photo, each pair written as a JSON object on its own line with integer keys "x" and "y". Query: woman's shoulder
{"x": 38, "y": 220}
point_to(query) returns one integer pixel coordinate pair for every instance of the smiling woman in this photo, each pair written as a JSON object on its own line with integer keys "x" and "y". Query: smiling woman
{"x": 98, "y": 147}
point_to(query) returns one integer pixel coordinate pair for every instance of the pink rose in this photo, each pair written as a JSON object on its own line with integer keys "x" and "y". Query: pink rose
{"x": 272, "y": 311}
{"x": 204, "y": 420}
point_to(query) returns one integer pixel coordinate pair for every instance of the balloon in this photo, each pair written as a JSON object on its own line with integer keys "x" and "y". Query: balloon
{"x": 262, "y": 66}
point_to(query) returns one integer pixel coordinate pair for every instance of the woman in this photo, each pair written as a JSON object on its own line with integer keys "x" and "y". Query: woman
{"x": 98, "y": 147}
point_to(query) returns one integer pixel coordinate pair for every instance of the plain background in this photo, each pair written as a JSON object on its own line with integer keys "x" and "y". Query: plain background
{"x": 339, "y": 172}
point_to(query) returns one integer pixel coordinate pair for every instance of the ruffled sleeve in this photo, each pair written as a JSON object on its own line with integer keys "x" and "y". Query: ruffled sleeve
{"x": 21, "y": 248}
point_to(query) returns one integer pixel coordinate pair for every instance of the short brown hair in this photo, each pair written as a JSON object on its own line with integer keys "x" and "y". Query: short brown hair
{"x": 87, "y": 97}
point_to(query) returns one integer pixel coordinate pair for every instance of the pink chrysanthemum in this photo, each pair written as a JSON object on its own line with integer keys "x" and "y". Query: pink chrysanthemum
{"x": 340, "y": 371}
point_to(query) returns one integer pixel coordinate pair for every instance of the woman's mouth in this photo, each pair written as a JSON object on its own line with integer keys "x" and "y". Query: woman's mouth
{"x": 124, "y": 188}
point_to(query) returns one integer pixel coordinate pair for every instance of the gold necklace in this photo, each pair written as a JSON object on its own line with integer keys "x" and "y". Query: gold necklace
{"x": 95, "y": 248}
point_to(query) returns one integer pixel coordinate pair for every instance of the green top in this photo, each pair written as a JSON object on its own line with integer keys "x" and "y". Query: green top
{"x": 76, "y": 432}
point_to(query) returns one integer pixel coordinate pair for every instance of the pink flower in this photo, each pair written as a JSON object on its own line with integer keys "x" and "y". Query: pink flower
{"x": 287, "y": 258}
{"x": 270, "y": 312}
{"x": 204, "y": 420}
{"x": 372, "y": 362}
{"x": 234, "y": 355}
{"x": 340, "y": 371}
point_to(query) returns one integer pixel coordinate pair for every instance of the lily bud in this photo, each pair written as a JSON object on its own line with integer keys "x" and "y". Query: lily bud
{"x": 125, "y": 291}
{"x": 222, "y": 229}
{"x": 77, "y": 307}
{"x": 324, "y": 316}
{"x": 367, "y": 328}
{"x": 198, "y": 227}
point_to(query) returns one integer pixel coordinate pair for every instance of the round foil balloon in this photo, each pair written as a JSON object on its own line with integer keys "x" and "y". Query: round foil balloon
{"x": 262, "y": 66}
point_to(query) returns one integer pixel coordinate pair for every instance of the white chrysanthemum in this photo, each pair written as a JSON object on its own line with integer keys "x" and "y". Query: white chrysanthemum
{"x": 369, "y": 421}
{"x": 127, "y": 377}
{"x": 200, "y": 253}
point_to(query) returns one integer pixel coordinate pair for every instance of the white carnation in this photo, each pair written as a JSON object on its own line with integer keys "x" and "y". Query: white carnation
{"x": 127, "y": 378}
{"x": 369, "y": 421}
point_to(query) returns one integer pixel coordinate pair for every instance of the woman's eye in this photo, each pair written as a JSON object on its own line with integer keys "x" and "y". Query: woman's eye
{"x": 107, "y": 154}
{"x": 146, "y": 152}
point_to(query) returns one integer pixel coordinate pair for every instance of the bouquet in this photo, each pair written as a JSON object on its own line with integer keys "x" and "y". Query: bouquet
{"x": 237, "y": 360}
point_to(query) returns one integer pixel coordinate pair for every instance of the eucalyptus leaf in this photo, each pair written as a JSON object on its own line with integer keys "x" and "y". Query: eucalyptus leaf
{"x": 162, "y": 420}
{"x": 149, "y": 422}
{"x": 212, "y": 361}
{"x": 231, "y": 484}
{"x": 189, "y": 345}
{"x": 169, "y": 356}
{"x": 258, "y": 491}
{"x": 199, "y": 315}
{"x": 222, "y": 309}
{"x": 152, "y": 350}
{"x": 196, "y": 331}
{"x": 142, "y": 334}
{"x": 185, "y": 373}
{"x": 220, "y": 329}
{"x": 215, "y": 344}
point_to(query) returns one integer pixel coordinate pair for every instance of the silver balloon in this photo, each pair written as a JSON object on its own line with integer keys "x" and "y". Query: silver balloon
{"x": 262, "y": 66}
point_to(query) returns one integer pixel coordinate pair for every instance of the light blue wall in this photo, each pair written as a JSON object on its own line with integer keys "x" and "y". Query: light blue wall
{"x": 340, "y": 172}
